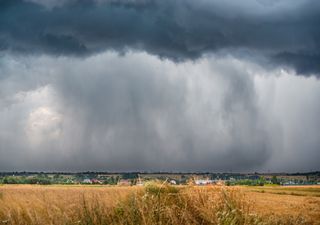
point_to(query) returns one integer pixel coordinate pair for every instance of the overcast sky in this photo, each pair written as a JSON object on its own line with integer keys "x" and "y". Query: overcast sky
{"x": 149, "y": 85}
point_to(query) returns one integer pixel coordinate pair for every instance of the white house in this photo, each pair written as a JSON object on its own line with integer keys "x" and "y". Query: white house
{"x": 204, "y": 182}
{"x": 173, "y": 182}
{"x": 87, "y": 181}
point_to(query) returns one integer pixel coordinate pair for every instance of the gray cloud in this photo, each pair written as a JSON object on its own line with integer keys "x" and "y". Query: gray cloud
{"x": 100, "y": 114}
{"x": 286, "y": 32}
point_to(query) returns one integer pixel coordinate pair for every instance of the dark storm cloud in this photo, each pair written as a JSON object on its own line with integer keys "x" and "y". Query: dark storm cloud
{"x": 69, "y": 99}
{"x": 99, "y": 114}
{"x": 287, "y": 32}
{"x": 303, "y": 63}
{"x": 137, "y": 112}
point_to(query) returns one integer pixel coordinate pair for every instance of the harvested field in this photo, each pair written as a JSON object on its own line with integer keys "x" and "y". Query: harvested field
{"x": 312, "y": 191}
{"x": 287, "y": 201}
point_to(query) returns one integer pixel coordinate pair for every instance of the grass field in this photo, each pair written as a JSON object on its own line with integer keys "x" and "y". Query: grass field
{"x": 158, "y": 204}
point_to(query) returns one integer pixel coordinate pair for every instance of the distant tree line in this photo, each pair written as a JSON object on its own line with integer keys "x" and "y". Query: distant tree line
{"x": 26, "y": 180}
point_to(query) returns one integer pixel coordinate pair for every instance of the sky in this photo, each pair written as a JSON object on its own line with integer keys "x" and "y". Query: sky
{"x": 160, "y": 85}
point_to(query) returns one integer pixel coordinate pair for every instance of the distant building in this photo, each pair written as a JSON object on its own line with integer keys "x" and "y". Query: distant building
{"x": 95, "y": 181}
{"x": 173, "y": 182}
{"x": 204, "y": 182}
{"x": 87, "y": 181}
{"x": 290, "y": 182}
{"x": 124, "y": 182}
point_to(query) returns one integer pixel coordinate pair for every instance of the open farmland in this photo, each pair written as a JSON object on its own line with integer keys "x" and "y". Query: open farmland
{"x": 295, "y": 201}
{"x": 313, "y": 191}
{"x": 158, "y": 204}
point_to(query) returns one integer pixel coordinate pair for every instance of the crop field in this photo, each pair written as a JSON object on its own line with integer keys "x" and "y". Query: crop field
{"x": 158, "y": 204}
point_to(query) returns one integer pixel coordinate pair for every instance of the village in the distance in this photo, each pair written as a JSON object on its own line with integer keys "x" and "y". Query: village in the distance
{"x": 141, "y": 178}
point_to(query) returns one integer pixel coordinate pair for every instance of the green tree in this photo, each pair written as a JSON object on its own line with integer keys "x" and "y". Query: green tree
{"x": 275, "y": 180}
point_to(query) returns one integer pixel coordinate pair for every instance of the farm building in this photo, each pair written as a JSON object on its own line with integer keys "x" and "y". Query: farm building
{"x": 87, "y": 181}
{"x": 204, "y": 182}
{"x": 173, "y": 182}
{"x": 95, "y": 181}
{"x": 124, "y": 182}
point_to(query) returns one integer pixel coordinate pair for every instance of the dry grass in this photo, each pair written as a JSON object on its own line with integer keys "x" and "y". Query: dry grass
{"x": 153, "y": 204}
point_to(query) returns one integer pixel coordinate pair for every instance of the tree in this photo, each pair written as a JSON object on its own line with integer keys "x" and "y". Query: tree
{"x": 275, "y": 180}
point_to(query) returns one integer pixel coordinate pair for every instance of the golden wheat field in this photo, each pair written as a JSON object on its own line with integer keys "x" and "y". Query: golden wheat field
{"x": 158, "y": 204}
